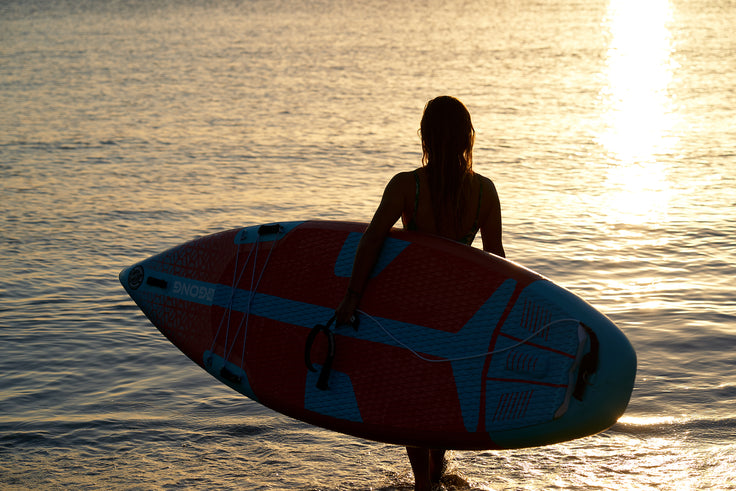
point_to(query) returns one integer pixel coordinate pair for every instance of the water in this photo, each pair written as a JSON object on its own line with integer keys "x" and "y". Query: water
{"x": 128, "y": 127}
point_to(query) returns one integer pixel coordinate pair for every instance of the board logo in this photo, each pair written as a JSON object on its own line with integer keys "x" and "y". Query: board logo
{"x": 135, "y": 277}
{"x": 194, "y": 292}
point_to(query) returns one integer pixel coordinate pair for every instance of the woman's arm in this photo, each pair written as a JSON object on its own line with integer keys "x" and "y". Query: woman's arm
{"x": 491, "y": 229}
{"x": 388, "y": 212}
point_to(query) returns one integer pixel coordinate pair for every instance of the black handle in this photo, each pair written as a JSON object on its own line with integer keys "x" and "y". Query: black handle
{"x": 324, "y": 375}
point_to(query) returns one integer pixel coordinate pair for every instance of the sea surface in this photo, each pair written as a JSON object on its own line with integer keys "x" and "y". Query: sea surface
{"x": 130, "y": 126}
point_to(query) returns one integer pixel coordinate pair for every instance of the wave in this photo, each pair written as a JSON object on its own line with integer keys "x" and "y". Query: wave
{"x": 723, "y": 429}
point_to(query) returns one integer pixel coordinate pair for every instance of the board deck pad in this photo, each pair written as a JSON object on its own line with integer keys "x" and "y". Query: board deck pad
{"x": 455, "y": 348}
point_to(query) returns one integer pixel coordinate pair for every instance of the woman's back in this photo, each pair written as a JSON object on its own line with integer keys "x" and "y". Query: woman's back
{"x": 478, "y": 204}
{"x": 421, "y": 216}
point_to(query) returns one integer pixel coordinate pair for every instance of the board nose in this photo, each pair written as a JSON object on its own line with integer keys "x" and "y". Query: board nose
{"x": 131, "y": 278}
{"x": 123, "y": 276}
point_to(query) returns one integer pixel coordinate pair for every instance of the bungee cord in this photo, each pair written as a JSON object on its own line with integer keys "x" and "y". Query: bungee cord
{"x": 227, "y": 350}
{"x": 236, "y": 281}
{"x": 469, "y": 357}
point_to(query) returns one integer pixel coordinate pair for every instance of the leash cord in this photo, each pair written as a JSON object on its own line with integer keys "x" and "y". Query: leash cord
{"x": 469, "y": 357}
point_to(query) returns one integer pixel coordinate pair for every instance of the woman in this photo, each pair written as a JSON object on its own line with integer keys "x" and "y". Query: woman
{"x": 443, "y": 197}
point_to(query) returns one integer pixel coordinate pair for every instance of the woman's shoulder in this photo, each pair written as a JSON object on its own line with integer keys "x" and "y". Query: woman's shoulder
{"x": 405, "y": 180}
{"x": 488, "y": 195}
{"x": 405, "y": 175}
{"x": 400, "y": 187}
{"x": 485, "y": 183}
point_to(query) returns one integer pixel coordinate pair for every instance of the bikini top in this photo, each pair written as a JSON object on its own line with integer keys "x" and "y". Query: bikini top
{"x": 466, "y": 239}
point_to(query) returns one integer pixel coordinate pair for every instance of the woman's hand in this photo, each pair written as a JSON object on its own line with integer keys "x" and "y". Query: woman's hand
{"x": 345, "y": 312}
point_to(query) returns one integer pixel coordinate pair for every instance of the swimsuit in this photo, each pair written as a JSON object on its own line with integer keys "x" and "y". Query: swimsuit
{"x": 466, "y": 239}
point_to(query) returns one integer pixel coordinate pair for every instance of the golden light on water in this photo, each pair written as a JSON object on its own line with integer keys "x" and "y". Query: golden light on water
{"x": 638, "y": 110}
{"x": 640, "y": 193}
{"x": 644, "y": 421}
{"x": 639, "y": 71}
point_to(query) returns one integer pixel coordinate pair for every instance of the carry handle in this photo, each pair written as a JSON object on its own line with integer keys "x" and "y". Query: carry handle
{"x": 324, "y": 374}
{"x": 588, "y": 365}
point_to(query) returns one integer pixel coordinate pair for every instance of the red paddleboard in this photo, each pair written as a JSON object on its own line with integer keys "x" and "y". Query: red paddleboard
{"x": 455, "y": 348}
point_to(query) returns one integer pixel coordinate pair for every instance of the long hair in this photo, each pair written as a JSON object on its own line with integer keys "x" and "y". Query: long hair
{"x": 447, "y": 153}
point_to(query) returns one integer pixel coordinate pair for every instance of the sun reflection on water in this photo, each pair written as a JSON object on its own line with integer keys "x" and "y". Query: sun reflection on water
{"x": 640, "y": 193}
{"x": 638, "y": 110}
{"x": 640, "y": 67}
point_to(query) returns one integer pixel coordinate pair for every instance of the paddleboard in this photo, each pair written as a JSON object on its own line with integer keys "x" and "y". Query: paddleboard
{"x": 453, "y": 347}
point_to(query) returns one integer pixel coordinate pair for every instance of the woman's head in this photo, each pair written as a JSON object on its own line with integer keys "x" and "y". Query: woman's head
{"x": 447, "y": 136}
{"x": 447, "y": 148}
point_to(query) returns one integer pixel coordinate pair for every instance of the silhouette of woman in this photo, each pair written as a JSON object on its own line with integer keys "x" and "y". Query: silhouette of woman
{"x": 443, "y": 197}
